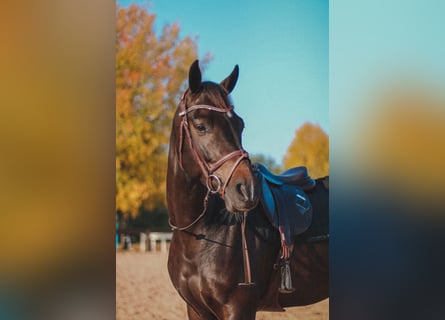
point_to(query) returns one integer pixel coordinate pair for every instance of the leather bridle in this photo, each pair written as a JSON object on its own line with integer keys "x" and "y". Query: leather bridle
{"x": 208, "y": 170}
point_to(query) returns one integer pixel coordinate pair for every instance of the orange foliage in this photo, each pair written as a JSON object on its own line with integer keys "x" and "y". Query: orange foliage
{"x": 151, "y": 70}
{"x": 309, "y": 148}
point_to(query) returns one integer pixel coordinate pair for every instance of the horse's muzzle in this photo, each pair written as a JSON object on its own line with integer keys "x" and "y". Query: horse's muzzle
{"x": 242, "y": 194}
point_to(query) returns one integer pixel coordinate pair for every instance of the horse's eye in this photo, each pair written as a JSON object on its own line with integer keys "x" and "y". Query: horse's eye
{"x": 201, "y": 127}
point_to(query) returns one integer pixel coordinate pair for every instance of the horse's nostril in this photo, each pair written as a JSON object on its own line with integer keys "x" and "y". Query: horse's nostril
{"x": 243, "y": 191}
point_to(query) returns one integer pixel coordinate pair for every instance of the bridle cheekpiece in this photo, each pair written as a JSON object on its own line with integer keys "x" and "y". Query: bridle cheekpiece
{"x": 208, "y": 170}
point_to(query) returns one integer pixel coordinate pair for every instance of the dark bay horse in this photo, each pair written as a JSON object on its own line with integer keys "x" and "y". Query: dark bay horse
{"x": 210, "y": 187}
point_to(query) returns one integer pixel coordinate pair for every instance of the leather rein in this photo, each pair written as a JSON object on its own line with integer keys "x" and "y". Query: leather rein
{"x": 208, "y": 170}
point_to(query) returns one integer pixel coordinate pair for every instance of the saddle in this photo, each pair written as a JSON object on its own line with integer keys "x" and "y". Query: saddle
{"x": 284, "y": 199}
{"x": 297, "y": 176}
{"x": 287, "y": 208}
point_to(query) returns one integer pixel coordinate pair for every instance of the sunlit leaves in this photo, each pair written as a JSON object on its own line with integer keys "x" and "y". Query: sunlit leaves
{"x": 310, "y": 148}
{"x": 151, "y": 69}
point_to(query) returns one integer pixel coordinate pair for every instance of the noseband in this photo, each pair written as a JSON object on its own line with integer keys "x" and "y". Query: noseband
{"x": 208, "y": 170}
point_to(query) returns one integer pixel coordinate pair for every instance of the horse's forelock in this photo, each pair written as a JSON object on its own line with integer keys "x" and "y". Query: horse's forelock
{"x": 211, "y": 93}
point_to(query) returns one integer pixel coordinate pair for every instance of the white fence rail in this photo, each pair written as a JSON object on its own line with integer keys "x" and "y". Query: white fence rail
{"x": 163, "y": 237}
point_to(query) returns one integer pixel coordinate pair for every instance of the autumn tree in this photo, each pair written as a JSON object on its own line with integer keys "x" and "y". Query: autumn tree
{"x": 310, "y": 148}
{"x": 151, "y": 69}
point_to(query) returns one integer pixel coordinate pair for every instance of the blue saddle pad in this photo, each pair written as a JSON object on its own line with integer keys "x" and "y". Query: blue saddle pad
{"x": 286, "y": 205}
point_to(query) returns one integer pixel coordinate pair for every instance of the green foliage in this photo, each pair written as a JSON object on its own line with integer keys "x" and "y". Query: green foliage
{"x": 309, "y": 148}
{"x": 268, "y": 161}
{"x": 155, "y": 219}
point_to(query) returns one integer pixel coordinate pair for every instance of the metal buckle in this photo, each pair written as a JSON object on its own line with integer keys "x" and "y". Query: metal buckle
{"x": 209, "y": 183}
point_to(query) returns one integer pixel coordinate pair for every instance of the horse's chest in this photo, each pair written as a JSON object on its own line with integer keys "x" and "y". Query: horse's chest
{"x": 211, "y": 260}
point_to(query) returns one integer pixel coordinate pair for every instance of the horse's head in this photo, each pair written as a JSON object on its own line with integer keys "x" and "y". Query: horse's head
{"x": 210, "y": 141}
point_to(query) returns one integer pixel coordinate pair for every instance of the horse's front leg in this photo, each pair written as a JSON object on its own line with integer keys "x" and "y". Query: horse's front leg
{"x": 233, "y": 310}
{"x": 238, "y": 312}
{"x": 240, "y": 307}
{"x": 193, "y": 315}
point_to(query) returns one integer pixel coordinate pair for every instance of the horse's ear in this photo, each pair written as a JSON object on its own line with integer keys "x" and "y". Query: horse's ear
{"x": 195, "y": 77}
{"x": 230, "y": 82}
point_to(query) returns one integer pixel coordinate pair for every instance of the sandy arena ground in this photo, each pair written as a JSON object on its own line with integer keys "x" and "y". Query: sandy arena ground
{"x": 144, "y": 291}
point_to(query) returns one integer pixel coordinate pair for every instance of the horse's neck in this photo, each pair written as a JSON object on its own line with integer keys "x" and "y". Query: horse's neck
{"x": 185, "y": 194}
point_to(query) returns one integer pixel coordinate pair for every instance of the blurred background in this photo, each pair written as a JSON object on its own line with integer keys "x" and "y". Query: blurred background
{"x": 387, "y": 115}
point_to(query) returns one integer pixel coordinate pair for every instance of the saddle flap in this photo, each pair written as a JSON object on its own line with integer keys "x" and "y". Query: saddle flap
{"x": 267, "y": 200}
{"x": 293, "y": 209}
{"x": 286, "y": 205}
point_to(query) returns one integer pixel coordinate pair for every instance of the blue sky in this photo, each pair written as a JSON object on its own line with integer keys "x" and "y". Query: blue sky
{"x": 282, "y": 50}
